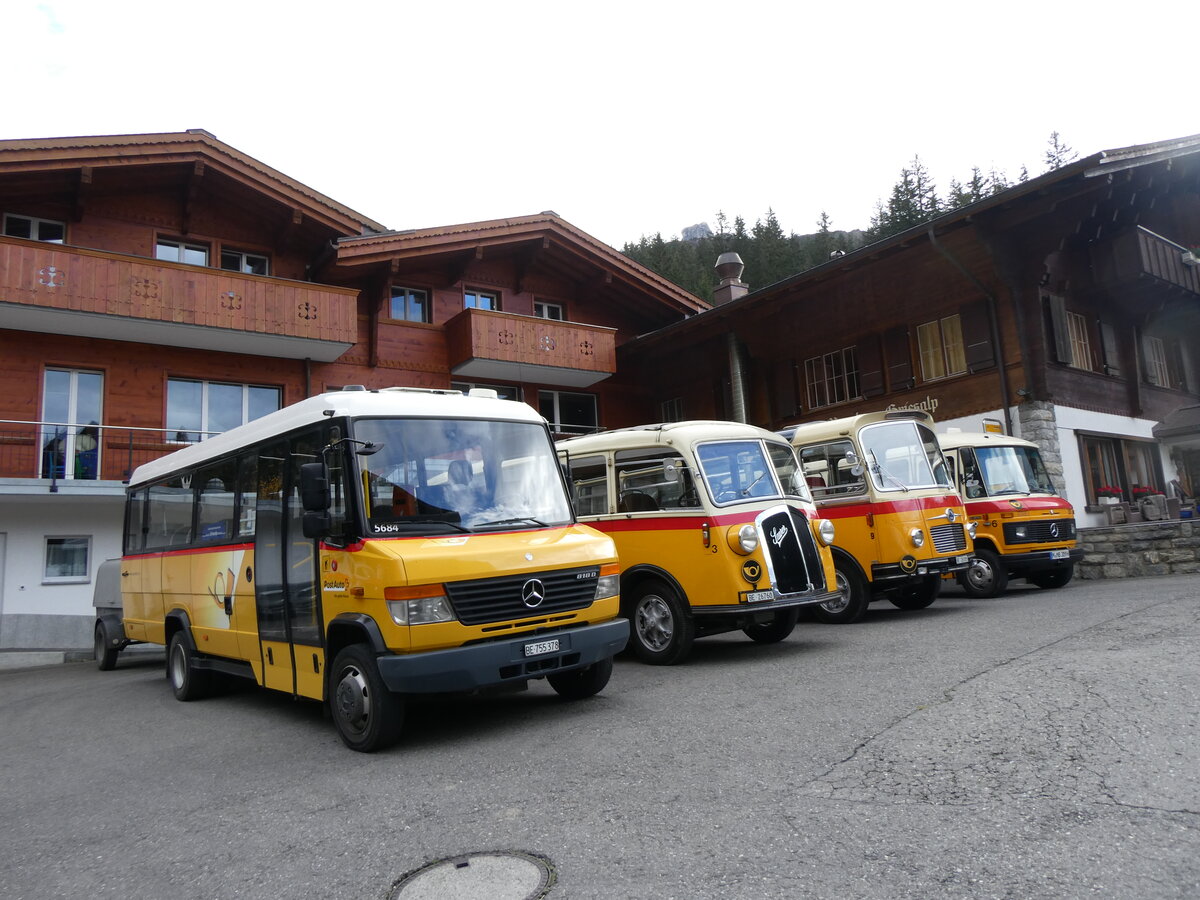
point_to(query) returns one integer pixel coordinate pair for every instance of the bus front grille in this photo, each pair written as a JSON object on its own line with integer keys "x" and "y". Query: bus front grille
{"x": 486, "y": 600}
{"x": 948, "y": 538}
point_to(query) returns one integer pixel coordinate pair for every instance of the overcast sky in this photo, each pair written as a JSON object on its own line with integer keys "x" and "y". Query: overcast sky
{"x": 625, "y": 118}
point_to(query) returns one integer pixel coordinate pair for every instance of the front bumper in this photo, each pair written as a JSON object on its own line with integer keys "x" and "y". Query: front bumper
{"x": 786, "y": 602}
{"x": 1020, "y": 564}
{"x": 499, "y": 662}
{"x": 937, "y": 566}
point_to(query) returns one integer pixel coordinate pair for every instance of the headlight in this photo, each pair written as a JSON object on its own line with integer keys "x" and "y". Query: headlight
{"x": 972, "y": 527}
{"x": 743, "y": 538}
{"x": 917, "y": 536}
{"x": 407, "y": 609}
{"x": 825, "y": 531}
{"x": 1019, "y": 532}
{"x": 609, "y": 582}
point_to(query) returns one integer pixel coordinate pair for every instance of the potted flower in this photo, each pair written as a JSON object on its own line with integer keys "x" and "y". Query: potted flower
{"x": 1141, "y": 490}
{"x": 1109, "y": 492}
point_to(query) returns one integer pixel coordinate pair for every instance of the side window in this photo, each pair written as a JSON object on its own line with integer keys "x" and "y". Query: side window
{"x": 589, "y": 482}
{"x": 828, "y": 472}
{"x": 169, "y": 514}
{"x": 216, "y": 487}
{"x": 972, "y": 483}
{"x": 247, "y": 495}
{"x": 135, "y": 507}
{"x": 649, "y": 480}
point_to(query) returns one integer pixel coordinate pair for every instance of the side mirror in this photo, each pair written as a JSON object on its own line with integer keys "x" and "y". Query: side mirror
{"x": 314, "y": 487}
{"x": 670, "y": 471}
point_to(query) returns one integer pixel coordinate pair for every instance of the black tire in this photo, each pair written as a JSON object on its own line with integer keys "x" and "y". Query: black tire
{"x": 367, "y": 715}
{"x": 187, "y": 682}
{"x": 1055, "y": 578}
{"x": 104, "y": 653}
{"x": 918, "y": 595}
{"x": 985, "y": 576}
{"x": 852, "y": 598}
{"x": 661, "y": 627}
{"x": 580, "y": 683}
{"x": 774, "y": 630}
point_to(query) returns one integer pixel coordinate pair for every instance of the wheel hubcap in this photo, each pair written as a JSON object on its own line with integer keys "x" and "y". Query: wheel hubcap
{"x": 178, "y": 666}
{"x": 351, "y": 700}
{"x": 654, "y": 623}
{"x": 843, "y": 598}
{"x": 980, "y": 574}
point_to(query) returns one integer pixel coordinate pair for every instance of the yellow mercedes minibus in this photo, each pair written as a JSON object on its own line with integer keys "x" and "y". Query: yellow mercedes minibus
{"x": 715, "y": 529}
{"x": 882, "y": 479}
{"x": 1025, "y": 530}
{"x": 361, "y": 546}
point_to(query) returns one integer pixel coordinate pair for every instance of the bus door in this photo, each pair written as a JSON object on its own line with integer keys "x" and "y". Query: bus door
{"x": 286, "y": 572}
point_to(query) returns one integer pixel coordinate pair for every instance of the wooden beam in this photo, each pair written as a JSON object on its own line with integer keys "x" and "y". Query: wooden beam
{"x": 83, "y": 187}
{"x": 288, "y": 229}
{"x": 456, "y": 270}
{"x": 191, "y": 189}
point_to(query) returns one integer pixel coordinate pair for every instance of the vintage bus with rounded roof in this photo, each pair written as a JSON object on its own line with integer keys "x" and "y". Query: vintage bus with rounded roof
{"x": 360, "y": 547}
{"x": 1025, "y": 529}
{"x": 882, "y": 479}
{"x": 715, "y": 529}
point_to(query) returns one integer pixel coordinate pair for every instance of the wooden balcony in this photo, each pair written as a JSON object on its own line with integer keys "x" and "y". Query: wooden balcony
{"x": 1142, "y": 263}
{"x": 70, "y": 290}
{"x": 486, "y": 345}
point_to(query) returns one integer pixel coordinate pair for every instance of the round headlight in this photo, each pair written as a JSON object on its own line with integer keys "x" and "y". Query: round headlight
{"x": 972, "y": 527}
{"x": 825, "y": 531}
{"x": 917, "y": 536}
{"x": 743, "y": 538}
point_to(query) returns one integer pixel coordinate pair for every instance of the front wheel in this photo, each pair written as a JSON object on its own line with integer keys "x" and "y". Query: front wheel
{"x": 918, "y": 595}
{"x": 662, "y": 629}
{"x": 774, "y": 629}
{"x": 1055, "y": 578}
{"x": 985, "y": 575}
{"x": 367, "y": 715}
{"x": 851, "y": 601}
{"x": 580, "y": 683}
{"x": 104, "y": 654}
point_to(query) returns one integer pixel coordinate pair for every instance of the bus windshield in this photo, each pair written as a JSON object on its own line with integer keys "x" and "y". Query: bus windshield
{"x": 742, "y": 470}
{"x": 902, "y": 456}
{"x": 442, "y": 476}
{"x": 1005, "y": 470}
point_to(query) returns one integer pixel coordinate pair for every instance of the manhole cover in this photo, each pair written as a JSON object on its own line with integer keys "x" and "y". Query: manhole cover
{"x": 501, "y": 875}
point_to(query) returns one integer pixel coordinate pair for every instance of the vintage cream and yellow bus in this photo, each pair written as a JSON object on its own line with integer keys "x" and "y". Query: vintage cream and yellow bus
{"x": 881, "y": 478}
{"x": 715, "y": 529}
{"x": 361, "y": 546}
{"x": 1025, "y": 530}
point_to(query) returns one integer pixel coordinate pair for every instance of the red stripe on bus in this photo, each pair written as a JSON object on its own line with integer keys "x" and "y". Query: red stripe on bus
{"x": 883, "y": 507}
{"x": 979, "y": 507}
{"x": 190, "y": 551}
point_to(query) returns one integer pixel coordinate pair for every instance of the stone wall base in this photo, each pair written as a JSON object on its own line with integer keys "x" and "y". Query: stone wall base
{"x": 1149, "y": 548}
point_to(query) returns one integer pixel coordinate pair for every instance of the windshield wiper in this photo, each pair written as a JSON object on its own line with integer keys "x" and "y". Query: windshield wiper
{"x": 416, "y": 523}
{"x": 513, "y": 521}
{"x": 878, "y": 467}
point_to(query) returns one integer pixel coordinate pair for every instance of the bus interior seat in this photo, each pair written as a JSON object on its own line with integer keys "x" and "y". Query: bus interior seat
{"x": 637, "y": 501}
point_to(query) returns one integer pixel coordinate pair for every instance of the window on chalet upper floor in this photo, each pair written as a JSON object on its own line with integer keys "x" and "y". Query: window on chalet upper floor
{"x": 410, "y": 305}
{"x": 941, "y": 347}
{"x": 247, "y": 263}
{"x": 831, "y": 378}
{"x": 198, "y": 409}
{"x": 1081, "y": 349}
{"x": 553, "y": 311}
{"x": 35, "y": 229}
{"x": 1166, "y": 362}
{"x": 672, "y": 410}
{"x": 171, "y": 250}
{"x": 473, "y": 299}
{"x": 1071, "y": 337}
{"x": 569, "y": 413}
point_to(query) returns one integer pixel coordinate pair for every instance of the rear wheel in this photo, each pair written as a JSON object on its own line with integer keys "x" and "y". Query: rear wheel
{"x": 187, "y": 682}
{"x": 918, "y": 595}
{"x": 367, "y": 715}
{"x": 851, "y": 601}
{"x": 103, "y": 652}
{"x": 580, "y": 683}
{"x": 662, "y": 628}
{"x": 985, "y": 575}
{"x": 774, "y": 629}
{"x": 1055, "y": 578}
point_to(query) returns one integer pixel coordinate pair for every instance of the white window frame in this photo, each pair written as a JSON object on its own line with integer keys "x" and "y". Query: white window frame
{"x": 73, "y": 425}
{"x": 1157, "y": 370}
{"x": 180, "y": 246}
{"x": 47, "y": 578}
{"x": 203, "y": 430}
{"x": 1081, "y": 351}
{"x": 553, "y": 311}
{"x": 401, "y": 292}
{"x": 556, "y": 423}
{"x": 35, "y": 227}
{"x": 471, "y": 298}
{"x": 243, "y": 258}
{"x": 826, "y": 385}
{"x": 940, "y": 345}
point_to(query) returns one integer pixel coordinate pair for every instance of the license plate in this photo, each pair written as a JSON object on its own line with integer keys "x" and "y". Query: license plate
{"x": 759, "y": 596}
{"x": 1060, "y": 554}
{"x": 541, "y": 647}
{"x": 962, "y": 560}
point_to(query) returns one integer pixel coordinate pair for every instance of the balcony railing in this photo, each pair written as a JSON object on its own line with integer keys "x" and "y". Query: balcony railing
{"x": 1141, "y": 258}
{"x": 484, "y": 344}
{"x": 66, "y": 453}
{"x": 72, "y": 290}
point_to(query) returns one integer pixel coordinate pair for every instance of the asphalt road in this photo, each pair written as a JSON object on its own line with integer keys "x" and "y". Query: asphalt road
{"x": 1044, "y": 744}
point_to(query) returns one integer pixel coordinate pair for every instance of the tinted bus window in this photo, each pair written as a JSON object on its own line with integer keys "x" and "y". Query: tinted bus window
{"x": 215, "y": 494}
{"x": 169, "y": 514}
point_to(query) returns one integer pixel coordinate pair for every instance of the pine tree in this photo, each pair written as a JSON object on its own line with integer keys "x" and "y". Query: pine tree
{"x": 1058, "y": 154}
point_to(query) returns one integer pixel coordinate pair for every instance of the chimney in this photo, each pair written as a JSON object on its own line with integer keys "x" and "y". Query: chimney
{"x": 729, "y": 268}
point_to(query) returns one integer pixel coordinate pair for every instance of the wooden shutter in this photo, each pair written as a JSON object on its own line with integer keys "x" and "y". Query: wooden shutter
{"x": 870, "y": 366}
{"x": 1057, "y": 307}
{"x": 899, "y": 358}
{"x": 977, "y": 337}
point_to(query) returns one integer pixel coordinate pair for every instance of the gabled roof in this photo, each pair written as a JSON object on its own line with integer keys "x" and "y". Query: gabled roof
{"x": 544, "y": 233}
{"x": 193, "y": 145}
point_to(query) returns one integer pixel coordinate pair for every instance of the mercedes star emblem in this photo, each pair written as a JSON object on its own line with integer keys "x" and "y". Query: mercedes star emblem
{"x": 533, "y": 592}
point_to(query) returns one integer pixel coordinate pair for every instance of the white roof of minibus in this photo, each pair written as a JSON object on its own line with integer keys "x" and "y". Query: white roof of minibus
{"x": 669, "y": 433}
{"x": 386, "y": 402}
{"x": 816, "y": 431}
{"x": 954, "y": 439}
